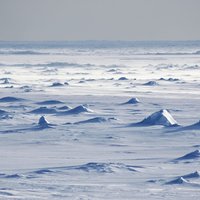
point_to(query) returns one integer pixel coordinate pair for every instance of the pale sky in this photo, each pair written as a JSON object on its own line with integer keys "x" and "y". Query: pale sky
{"x": 30, "y": 20}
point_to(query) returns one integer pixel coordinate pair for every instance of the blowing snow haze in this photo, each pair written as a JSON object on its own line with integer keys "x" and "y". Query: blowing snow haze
{"x": 31, "y": 20}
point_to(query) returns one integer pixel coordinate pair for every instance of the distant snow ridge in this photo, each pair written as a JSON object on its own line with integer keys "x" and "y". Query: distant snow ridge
{"x": 123, "y": 78}
{"x": 77, "y": 110}
{"x": 44, "y": 110}
{"x": 92, "y": 167}
{"x": 151, "y": 83}
{"x": 93, "y": 120}
{"x": 56, "y": 84}
{"x": 103, "y": 167}
{"x": 169, "y": 79}
{"x": 10, "y": 99}
{"x": 64, "y": 108}
{"x": 132, "y": 101}
{"x": 193, "y": 155}
{"x": 50, "y": 102}
{"x": 5, "y": 80}
{"x": 162, "y": 117}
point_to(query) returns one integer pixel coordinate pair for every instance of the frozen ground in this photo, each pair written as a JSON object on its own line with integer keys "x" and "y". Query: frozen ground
{"x": 93, "y": 143}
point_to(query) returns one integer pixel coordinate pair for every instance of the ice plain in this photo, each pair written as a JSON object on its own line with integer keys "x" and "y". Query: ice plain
{"x": 68, "y": 115}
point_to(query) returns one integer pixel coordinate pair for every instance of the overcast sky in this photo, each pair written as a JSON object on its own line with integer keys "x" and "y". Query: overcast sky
{"x": 99, "y": 20}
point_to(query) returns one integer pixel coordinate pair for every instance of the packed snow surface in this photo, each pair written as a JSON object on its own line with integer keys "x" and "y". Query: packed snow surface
{"x": 99, "y": 120}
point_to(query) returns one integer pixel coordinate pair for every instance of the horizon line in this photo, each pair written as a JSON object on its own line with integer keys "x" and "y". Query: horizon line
{"x": 99, "y": 40}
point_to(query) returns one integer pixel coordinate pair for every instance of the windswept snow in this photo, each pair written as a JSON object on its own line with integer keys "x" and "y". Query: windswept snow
{"x": 162, "y": 117}
{"x": 85, "y": 120}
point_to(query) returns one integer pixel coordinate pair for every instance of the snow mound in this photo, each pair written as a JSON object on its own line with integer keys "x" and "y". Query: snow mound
{"x": 192, "y": 175}
{"x": 56, "y": 84}
{"x": 5, "y": 80}
{"x": 103, "y": 167}
{"x": 169, "y": 79}
{"x": 132, "y": 101}
{"x": 93, "y": 120}
{"x": 10, "y": 99}
{"x": 43, "y": 171}
{"x": 77, "y": 110}
{"x": 11, "y": 176}
{"x": 195, "y": 126}
{"x": 43, "y": 122}
{"x": 193, "y": 155}
{"x": 123, "y": 79}
{"x": 151, "y": 83}
{"x": 64, "y": 108}
{"x": 44, "y": 110}
{"x": 50, "y": 102}
{"x": 4, "y": 115}
{"x": 2, "y": 112}
{"x": 179, "y": 180}
{"x": 92, "y": 167}
{"x": 162, "y": 117}
{"x": 197, "y": 52}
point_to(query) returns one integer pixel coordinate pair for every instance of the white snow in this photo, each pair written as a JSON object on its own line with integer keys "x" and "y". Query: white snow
{"x": 162, "y": 117}
{"x": 65, "y": 142}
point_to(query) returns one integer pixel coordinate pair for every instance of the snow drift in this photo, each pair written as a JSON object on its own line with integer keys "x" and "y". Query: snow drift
{"x": 162, "y": 117}
{"x": 132, "y": 101}
{"x": 93, "y": 120}
{"x": 77, "y": 110}
{"x": 49, "y": 102}
{"x": 10, "y": 99}
{"x": 192, "y": 155}
{"x": 43, "y": 123}
{"x": 44, "y": 110}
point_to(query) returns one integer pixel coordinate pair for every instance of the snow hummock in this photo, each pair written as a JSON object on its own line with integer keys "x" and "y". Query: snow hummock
{"x": 64, "y": 108}
{"x": 77, "y": 110}
{"x": 123, "y": 78}
{"x": 195, "y": 126}
{"x": 44, "y": 110}
{"x": 179, "y": 180}
{"x": 192, "y": 155}
{"x": 93, "y": 120}
{"x": 2, "y": 112}
{"x": 43, "y": 122}
{"x": 10, "y": 99}
{"x": 96, "y": 167}
{"x": 57, "y": 84}
{"x": 162, "y": 117}
{"x": 4, "y": 115}
{"x": 195, "y": 174}
{"x": 151, "y": 83}
{"x": 132, "y": 101}
{"x": 5, "y": 80}
{"x": 104, "y": 167}
{"x": 49, "y": 102}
